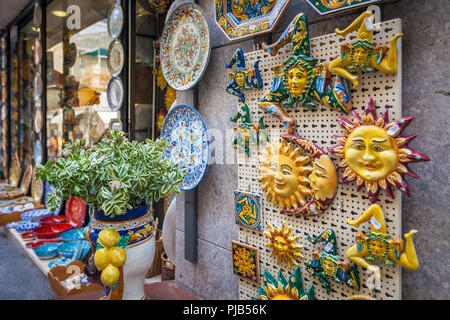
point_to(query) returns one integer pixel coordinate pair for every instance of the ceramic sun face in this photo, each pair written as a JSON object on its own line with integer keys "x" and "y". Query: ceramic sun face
{"x": 283, "y": 289}
{"x": 374, "y": 153}
{"x": 299, "y": 176}
{"x": 283, "y": 244}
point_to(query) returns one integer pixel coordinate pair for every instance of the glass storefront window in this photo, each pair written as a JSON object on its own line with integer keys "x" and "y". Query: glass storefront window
{"x": 77, "y": 74}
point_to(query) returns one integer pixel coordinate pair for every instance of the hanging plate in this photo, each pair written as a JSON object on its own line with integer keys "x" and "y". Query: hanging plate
{"x": 37, "y": 86}
{"x": 37, "y": 51}
{"x": 37, "y": 152}
{"x": 115, "y": 57}
{"x": 37, "y": 15}
{"x": 37, "y": 121}
{"x": 115, "y": 21}
{"x": 186, "y": 133}
{"x": 37, "y": 188}
{"x": 185, "y": 46}
{"x": 115, "y": 93}
{"x": 3, "y": 78}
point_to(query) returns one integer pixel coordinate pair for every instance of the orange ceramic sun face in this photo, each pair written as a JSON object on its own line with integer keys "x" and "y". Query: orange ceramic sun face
{"x": 370, "y": 153}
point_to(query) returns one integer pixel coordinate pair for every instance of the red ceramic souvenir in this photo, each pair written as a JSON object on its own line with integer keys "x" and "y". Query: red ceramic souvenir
{"x": 36, "y": 244}
{"x": 75, "y": 212}
{"x": 52, "y": 220}
{"x": 28, "y": 236}
{"x": 47, "y": 231}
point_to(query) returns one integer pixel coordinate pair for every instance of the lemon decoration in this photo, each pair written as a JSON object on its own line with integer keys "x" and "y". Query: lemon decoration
{"x": 109, "y": 257}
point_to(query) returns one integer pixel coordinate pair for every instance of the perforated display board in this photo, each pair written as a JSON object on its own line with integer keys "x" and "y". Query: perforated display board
{"x": 319, "y": 126}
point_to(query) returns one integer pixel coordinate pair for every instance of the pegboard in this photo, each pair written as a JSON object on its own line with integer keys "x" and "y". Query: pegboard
{"x": 319, "y": 126}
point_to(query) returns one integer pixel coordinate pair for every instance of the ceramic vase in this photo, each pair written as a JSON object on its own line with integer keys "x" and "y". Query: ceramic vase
{"x": 138, "y": 225}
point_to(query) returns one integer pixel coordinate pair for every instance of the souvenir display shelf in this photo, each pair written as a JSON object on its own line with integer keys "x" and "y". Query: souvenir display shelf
{"x": 319, "y": 126}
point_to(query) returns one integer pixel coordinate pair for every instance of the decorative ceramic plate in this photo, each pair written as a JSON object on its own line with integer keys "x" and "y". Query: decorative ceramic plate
{"x": 72, "y": 235}
{"x": 37, "y": 51}
{"x": 38, "y": 243}
{"x": 37, "y": 152}
{"x": 24, "y": 226}
{"x": 35, "y": 215}
{"x": 75, "y": 212}
{"x": 37, "y": 86}
{"x": 37, "y": 15}
{"x": 185, "y": 46}
{"x": 50, "y": 189}
{"x": 4, "y": 112}
{"x": 47, "y": 251}
{"x": 3, "y": 78}
{"x": 53, "y": 220}
{"x": 59, "y": 262}
{"x": 325, "y": 7}
{"x": 115, "y": 21}
{"x": 51, "y": 230}
{"x": 37, "y": 121}
{"x": 238, "y": 21}
{"x": 115, "y": 57}
{"x": 186, "y": 133}
{"x": 68, "y": 248}
{"x": 115, "y": 93}
{"x": 3, "y": 60}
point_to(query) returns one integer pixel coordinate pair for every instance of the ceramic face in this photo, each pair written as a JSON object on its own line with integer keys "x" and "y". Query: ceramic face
{"x": 296, "y": 78}
{"x": 245, "y": 261}
{"x": 185, "y": 46}
{"x": 323, "y": 178}
{"x": 374, "y": 152}
{"x": 248, "y": 209}
{"x": 283, "y": 244}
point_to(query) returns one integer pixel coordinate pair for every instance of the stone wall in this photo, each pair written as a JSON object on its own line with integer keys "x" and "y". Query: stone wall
{"x": 426, "y": 96}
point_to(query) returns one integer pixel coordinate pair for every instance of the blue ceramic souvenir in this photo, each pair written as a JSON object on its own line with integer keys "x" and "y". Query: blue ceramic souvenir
{"x": 24, "y": 226}
{"x": 37, "y": 152}
{"x": 59, "y": 262}
{"x": 72, "y": 235}
{"x": 50, "y": 189}
{"x": 241, "y": 19}
{"x": 81, "y": 250}
{"x": 186, "y": 133}
{"x": 35, "y": 215}
{"x": 248, "y": 209}
{"x": 47, "y": 251}
{"x": 67, "y": 249}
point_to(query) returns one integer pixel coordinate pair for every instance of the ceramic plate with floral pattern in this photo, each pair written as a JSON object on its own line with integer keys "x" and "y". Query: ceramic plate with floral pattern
{"x": 186, "y": 133}
{"x": 115, "y": 57}
{"x": 115, "y": 21}
{"x": 185, "y": 46}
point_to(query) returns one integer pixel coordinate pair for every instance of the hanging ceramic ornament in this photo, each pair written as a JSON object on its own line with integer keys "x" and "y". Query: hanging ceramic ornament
{"x": 115, "y": 93}
{"x": 283, "y": 289}
{"x": 363, "y": 54}
{"x": 374, "y": 152}
{"x": 327, "y": 265}
{"x": 37, "y": 86}
{"x": 187, "y": 136}
{"x": 37, "y": 152}
{"x": 37, "y": 51}
{"x": 37, "y": 119}
{"x": 248, "y": 209}
{"x": 300, "y": 80}
{"x": 37, "y": 15}
{"x": 298, "y": 176}
{"x": 283, "y": 244}
{"x": 242, "y": 19}
{"x": 115, "y": 21}
{"x": 185, "y": 46}
{"x": 115, "y": 57}
{"x": 242, "y": 78}
{"x": 245, "y": 261}
{"x": 377, "y": 246}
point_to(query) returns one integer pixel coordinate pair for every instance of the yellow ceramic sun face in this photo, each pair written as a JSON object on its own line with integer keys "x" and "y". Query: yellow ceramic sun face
{"x": 323, "y": 178}
{"x": 328, "y": 266}
{"x": 284, "y": 176}
{"x": 296, "y": 78}
{"x": 378, "y": 248}
{"x": 360, "y": 55}
{"x": 371, "y": 153}
{"x": 240, "y": 78}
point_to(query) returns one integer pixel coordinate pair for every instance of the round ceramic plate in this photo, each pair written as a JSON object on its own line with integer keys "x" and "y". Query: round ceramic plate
{"x": 35, "y": 215}
{"x": 186, "y": 133}
{"x": 37, "y": 86}
{"x": 115, "y": 21}
{"x": 185, "y": 46}
{"x": 37, "y": 121}
{"x": 115, "y": 93}
{"x": 4, "y": 112}
{"x": 37, "y": 51}
{"x": 115, "y": 57}
{"x": 37, "y": 15}
{"x": 72, "y": 235}
{"x": 37, "y": 152}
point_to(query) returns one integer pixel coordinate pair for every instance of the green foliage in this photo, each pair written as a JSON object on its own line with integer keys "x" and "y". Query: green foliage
{"x": 113, "y": 176}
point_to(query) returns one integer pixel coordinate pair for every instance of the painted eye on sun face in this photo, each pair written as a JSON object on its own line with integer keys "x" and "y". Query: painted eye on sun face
{"x": 377, "y": 148}
{"x": 359, "y": 146}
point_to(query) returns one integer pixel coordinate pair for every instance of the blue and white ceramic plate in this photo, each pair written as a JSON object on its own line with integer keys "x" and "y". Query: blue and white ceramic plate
{"x": 25, "y": 226}
{"x": 37, "y": 152}
{"x": 81, "y": 250}
{"x": 72, "y": 235}
{"x": 17, "y": 208}
{"x": 47, "y": 251}
{"x": 115, "y": 93}
{"x": 35, "y": 215}
{"x": 50, "y": 189}
{"x": 186, "y": 133}
{"x": 67, "y": 249}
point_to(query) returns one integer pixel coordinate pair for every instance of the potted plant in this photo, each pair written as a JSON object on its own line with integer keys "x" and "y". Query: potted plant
{"x": 118, "y": 179}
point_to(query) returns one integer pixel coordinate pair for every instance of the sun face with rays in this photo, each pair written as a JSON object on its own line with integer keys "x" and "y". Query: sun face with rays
{"x": 284, "y": 175}
{"x": 283, "y": 244}
{"x": 374, "y": 152}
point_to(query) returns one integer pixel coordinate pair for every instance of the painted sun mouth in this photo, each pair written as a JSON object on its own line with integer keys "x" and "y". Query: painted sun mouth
{"x": 370, "y": 166}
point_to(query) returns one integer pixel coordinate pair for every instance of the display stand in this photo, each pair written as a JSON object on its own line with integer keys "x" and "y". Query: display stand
{"x": 319, "y": 126}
